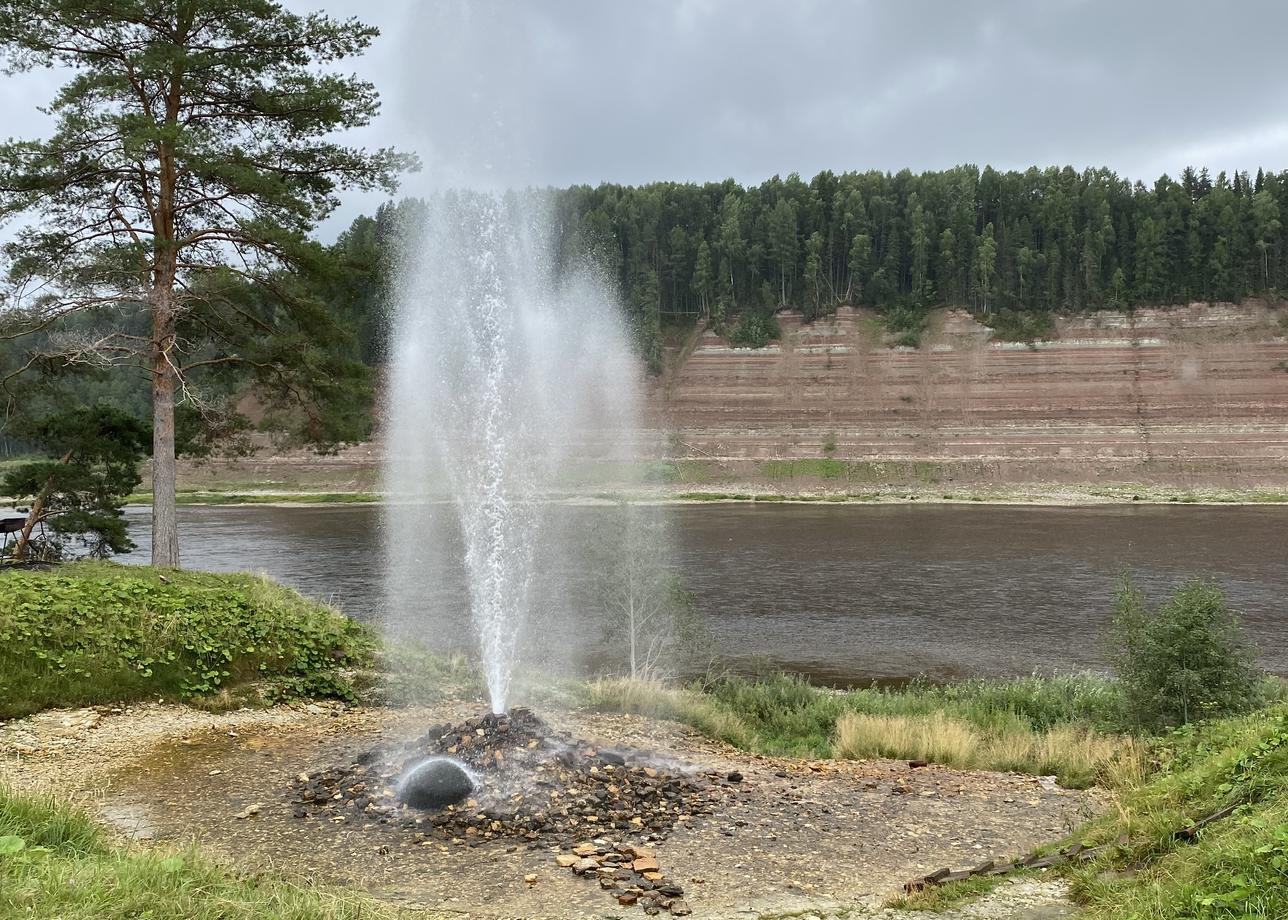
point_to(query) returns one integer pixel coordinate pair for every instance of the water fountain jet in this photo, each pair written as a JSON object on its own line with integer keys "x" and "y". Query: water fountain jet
{"x": 504, "y": 366}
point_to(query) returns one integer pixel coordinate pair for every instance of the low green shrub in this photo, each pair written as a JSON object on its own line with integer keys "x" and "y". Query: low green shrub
{"x": 1186, "y": 660}
{"x": 1022, "y": 325}
{"x": 755, "y": 329}
{"x": 906, "y": 322}
{"x": 96, "y": 633}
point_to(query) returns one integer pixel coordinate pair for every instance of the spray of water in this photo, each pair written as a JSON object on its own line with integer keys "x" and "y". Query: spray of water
{"x": 504, "y": 370}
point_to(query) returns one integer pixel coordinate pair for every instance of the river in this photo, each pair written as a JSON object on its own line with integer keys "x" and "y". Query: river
{"x": 845, "y": 593}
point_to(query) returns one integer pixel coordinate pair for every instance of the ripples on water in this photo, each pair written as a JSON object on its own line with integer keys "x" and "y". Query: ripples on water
{"x": 843, "y": 593}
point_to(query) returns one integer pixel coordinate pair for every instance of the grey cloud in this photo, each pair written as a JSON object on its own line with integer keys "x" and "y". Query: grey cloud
{"x": 564, "y": 91}
{"x": 587, "y": 91}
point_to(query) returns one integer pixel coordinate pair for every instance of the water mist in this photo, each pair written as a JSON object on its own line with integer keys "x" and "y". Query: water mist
{"x": 505, "y": 368}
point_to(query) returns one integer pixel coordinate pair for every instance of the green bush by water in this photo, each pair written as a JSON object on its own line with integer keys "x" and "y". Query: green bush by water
{"x": 98, "y": 633}
{"x": 1186, "y": 660}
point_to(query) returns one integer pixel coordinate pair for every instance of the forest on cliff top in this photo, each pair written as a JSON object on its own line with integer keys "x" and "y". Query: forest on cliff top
{"x": 1012, "y": 247}
{"x": 1040, "y": 240}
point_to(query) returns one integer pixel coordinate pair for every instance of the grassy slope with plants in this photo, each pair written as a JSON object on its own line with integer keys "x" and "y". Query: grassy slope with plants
{"x": 93, "y": 633}
{"x": 1237, "y": 868}
{"x": 55, "y": 862}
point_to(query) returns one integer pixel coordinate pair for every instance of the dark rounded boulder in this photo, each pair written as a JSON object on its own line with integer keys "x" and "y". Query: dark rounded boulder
{"x": 436, "y": 783}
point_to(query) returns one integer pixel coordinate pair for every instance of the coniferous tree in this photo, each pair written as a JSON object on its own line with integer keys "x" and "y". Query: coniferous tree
{"x": 190, "y": 158}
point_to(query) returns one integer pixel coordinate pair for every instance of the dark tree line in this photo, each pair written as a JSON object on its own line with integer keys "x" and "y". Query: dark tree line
{"x": 1053, "y": 239}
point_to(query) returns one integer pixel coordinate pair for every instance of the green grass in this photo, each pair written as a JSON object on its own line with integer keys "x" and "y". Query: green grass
{"x": 411, "y": 673}
{"x": 93, "y": 633}
{"x": 715, "y": 497}
{"x": 59, "y": 865}
{"x": 1237, "y": 868}
{"x": 1066, "y": 726}
{"x": 815, "y": 467}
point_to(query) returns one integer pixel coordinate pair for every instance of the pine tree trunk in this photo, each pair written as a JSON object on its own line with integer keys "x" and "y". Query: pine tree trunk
{"x": 165, "y": 524}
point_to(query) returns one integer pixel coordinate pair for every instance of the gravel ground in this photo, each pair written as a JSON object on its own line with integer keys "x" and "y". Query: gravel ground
{"x": 833, "y": 838}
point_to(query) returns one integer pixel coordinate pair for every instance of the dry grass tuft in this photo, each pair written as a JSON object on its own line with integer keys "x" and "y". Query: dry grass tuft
{"x": 653, "y": 698}
{"x": 934, "y": 737}
{"x": 1078, "y": 756}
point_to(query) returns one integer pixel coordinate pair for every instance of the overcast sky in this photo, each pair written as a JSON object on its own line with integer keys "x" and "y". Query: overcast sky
{"x": 564, "y": 91}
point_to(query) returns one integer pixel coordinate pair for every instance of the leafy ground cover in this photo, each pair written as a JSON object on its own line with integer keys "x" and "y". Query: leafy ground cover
{"x": 1236, "y": 868}
{"x": 100, "y": 633}
{"x": 56, "y": 862}
{"x": 1158, "y": 864}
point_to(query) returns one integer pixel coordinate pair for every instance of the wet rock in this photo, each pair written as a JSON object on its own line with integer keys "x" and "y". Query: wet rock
{"x": 435, "y": 784}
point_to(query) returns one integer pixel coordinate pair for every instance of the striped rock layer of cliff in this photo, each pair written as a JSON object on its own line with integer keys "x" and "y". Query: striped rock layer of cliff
{"x": 1191, "y": 396}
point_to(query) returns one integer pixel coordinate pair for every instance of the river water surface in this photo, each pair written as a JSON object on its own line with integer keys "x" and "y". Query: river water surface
{"x": 843, "y": 593}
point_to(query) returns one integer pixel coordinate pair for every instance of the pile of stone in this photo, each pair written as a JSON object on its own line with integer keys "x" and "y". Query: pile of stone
{"x": 629, "y": 873}
{"x": 531, "y": 784}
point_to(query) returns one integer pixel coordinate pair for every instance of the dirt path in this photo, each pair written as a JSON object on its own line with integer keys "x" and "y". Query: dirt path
{"x": 796, "y": 836}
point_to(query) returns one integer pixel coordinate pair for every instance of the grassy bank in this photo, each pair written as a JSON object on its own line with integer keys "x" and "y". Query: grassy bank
{"x": 1154, "y": 867}
{"x": 1067, "y": 726}
{"x": 806, "y": 493}
{"x": 55, "y": 862}
{"x": 1237, "y": 867}
{"x": 100, "y": 633}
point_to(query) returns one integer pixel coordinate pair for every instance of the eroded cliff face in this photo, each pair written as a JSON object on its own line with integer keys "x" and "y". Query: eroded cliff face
{"x": 1193, "y": 396}
{"x": 1188, "y": 398}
